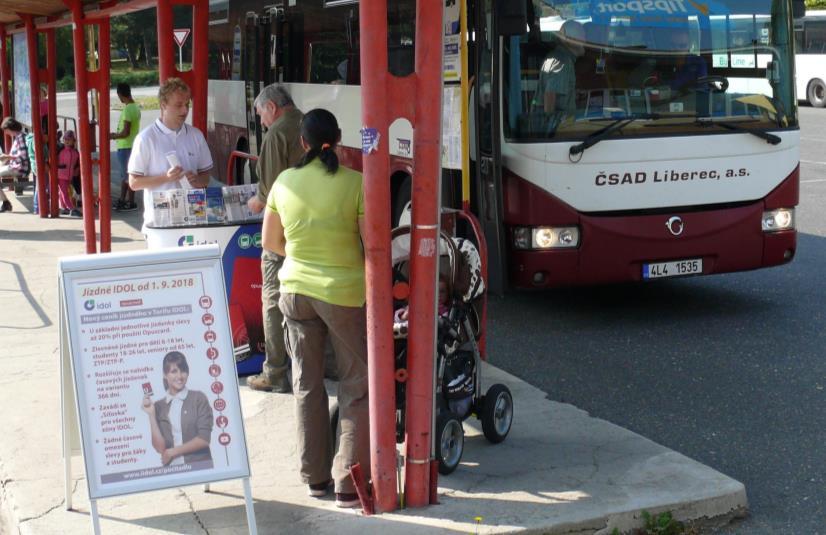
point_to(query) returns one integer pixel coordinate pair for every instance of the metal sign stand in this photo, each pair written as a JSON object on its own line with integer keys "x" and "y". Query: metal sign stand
{"x": 70, "y": 424}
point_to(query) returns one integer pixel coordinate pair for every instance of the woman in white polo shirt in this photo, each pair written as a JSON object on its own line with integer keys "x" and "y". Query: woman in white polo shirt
{"x": 169, "y": 154}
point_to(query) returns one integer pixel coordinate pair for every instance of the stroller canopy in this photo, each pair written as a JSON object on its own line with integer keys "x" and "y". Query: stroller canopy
{"x": 459, "y": 263}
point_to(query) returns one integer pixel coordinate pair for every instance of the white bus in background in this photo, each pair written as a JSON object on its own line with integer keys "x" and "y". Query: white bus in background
{"x": 676, "y": 155}
{"x": 810, "y": 59}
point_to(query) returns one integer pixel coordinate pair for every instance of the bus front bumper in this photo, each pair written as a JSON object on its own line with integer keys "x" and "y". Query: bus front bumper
{"x": 615, "y": 249}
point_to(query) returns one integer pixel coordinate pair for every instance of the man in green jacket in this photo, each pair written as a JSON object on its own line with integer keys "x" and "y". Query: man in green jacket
{"x": 280, "y": 150}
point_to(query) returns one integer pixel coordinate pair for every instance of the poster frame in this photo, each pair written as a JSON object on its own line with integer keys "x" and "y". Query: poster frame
{"x": 146, "y": 263}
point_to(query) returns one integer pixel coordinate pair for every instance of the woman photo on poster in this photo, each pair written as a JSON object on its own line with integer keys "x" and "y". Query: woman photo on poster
{"x": 181, "y": 421}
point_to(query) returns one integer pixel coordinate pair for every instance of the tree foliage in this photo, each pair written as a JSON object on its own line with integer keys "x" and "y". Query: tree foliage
{"x": 816, "y": 4}
{"x": 136, "y": 35}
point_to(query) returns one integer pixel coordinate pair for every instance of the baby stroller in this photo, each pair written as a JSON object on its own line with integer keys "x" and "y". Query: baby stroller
{"x": 458, "y": 361}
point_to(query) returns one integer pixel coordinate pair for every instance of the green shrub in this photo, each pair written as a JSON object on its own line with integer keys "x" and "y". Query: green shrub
{"x": 661, "y": 524}
{"x": 67, "y": 83}
{"x": 133, "y": 78}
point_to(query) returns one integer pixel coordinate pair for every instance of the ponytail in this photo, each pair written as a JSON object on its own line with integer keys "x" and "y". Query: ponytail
{"x": 327, "y": 155}
{"x": 320, "y": 131}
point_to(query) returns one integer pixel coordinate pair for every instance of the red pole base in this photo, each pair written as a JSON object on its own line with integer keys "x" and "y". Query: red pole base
{"x": 362, "y": 490}
{"x": 434, "y": 482}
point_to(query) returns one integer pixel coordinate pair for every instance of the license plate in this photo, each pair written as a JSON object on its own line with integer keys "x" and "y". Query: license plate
{"x": 678, "y": 268}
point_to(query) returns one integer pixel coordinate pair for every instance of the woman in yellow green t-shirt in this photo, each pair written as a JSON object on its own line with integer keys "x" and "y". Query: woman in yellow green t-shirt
{"x": 314, "y": 217}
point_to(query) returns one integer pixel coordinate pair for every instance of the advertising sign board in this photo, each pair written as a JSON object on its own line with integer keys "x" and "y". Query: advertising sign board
{"x": 154, "y": 380}
{"x": 22, "y": 82}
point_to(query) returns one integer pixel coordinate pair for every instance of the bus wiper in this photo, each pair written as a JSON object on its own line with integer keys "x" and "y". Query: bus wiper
{"x": 602, "y": 133}
{"x": 770, "y": 138}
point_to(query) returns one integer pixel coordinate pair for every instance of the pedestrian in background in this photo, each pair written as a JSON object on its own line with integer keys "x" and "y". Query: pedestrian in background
{"x": 129, "y": 124}
{"x": 314, "y": 217}
{"x": 33, "y": 167}
{"x": 68, "y": 166}
{"x": 15, "y": 164}
{"x": 280, "y": 149}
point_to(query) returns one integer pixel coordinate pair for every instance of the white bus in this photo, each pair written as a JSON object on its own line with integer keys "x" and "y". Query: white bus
{"x": 677, "y": 154}
{"x": 810, "y": 57}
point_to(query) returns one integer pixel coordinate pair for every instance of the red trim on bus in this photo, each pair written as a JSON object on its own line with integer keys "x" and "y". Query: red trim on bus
{"x": 528, "y": 205}
{"x": 614, "y": 248}
{"x": 787, "y": 194}
{"x": 351, "y": 157}
{"x": 222, "y": 140}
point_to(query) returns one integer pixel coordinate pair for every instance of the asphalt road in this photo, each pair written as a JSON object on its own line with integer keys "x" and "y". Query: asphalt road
{"x": 728, "y": 370}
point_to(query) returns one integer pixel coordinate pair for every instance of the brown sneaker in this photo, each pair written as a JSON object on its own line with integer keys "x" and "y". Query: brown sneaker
{"x": 319, "y": 490}
{"x": 263, "y": 383}
{"x": 347, "y": 500}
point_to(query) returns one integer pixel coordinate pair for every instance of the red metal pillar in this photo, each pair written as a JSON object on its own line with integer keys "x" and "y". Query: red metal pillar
{"x": 105, "y": 165}
{"x": 374, "y": 78}
{"x": 37, "y": 131}
{"x": 424, "y": 251}
{"x": 5, "y": 77}
{"x": 51, "y": 78}
{"x": 200, "y": 63}
{"x": 166, "y": 41}
{"x": 197, "y": 78}
{"x": 84, "y": 128}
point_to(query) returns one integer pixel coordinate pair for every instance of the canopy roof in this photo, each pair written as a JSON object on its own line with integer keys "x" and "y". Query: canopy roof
{"x": 9, "y": 9}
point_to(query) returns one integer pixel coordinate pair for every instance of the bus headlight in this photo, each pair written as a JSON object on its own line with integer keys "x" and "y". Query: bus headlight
{"x": 545, "y": 237}
{"x": 780, "y": 219}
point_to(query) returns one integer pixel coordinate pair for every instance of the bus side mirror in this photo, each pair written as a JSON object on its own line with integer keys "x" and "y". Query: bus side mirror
{"x": 511, "y": 17}
{"x": 798, "y": 8}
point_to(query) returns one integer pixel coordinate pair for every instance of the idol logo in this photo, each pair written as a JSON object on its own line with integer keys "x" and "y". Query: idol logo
{"x": 187, "y": 240}
{"x": 90, "y": 304}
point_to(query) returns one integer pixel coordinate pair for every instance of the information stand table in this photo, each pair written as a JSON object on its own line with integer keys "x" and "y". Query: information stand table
{"x": 240, "y": 245}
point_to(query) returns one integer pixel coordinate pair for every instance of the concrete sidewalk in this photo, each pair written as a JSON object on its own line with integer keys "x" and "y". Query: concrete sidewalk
{"x": 559, "y": 471}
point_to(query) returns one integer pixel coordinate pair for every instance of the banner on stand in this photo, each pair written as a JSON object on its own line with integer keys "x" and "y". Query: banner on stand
{"x": 153, "y": 369}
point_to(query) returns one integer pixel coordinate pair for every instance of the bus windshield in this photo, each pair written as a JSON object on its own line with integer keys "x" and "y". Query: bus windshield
{"x": 675, "y": 66}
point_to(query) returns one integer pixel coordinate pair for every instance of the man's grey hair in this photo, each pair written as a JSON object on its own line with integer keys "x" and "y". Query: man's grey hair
{"x": 275, "y": 93}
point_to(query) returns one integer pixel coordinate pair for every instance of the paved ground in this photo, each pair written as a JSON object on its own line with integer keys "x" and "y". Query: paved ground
{"x": 559, "y": 471}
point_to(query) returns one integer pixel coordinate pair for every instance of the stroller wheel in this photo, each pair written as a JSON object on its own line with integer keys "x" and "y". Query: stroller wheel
{"x": 497, "y": 413}
{"x": 450, "y": 442}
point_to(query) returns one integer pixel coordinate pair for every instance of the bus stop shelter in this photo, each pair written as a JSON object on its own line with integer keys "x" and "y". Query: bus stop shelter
{"x": 92, "y": 67}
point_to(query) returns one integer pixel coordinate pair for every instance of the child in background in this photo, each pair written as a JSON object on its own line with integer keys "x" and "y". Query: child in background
{"x": 68, "y": 165}
{"x": 33, "y": 167}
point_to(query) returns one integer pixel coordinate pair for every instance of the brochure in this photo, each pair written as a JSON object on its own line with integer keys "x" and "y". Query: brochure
{"x": 215, "y": 211}
{"x": 160, "y": 204}
{"x": 196, "y": 207}
{"x": 177, "y": 207}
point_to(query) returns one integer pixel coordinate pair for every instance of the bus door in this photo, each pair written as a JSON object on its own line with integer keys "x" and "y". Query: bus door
{"x": 492, "y": 19}
{"x": 259, "y": 68}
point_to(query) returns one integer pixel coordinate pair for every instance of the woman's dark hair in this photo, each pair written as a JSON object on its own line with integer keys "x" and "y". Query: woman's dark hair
{"x": 177, "y": 358}
{"x": 320, "y": 131}
{"x": 10, "y": 123}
